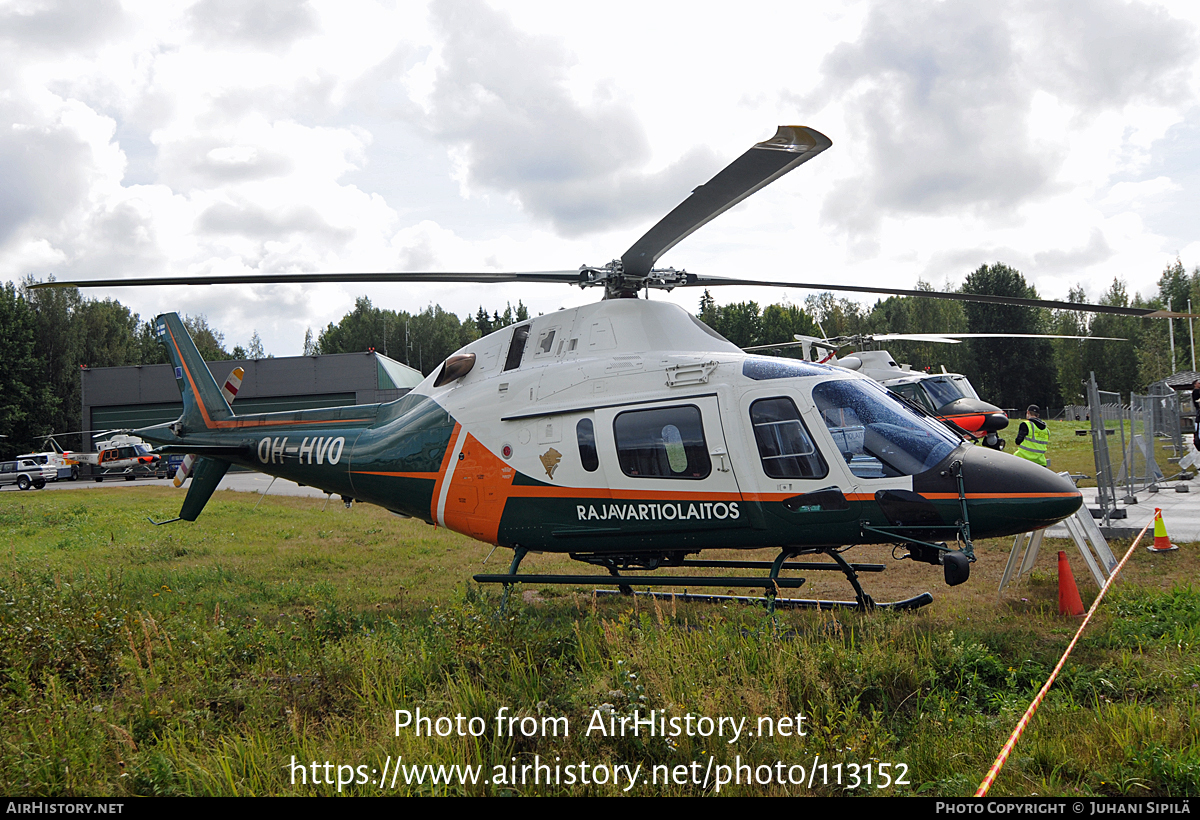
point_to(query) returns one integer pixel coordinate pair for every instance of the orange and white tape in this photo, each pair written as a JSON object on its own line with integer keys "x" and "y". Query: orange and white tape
{"x": 1037, "y": 701}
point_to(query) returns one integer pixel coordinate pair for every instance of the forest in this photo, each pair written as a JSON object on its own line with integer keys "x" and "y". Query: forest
{"x": 47, "y": 335}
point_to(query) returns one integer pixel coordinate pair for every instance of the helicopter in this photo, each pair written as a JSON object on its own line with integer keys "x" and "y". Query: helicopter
{"x": 949, "y": 396}
{"x": 117, "y": 454}
{"x": 630, "y": 436}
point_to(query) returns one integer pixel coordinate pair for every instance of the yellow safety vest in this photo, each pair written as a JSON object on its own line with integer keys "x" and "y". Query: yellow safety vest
{"x": 1033, "y": 446}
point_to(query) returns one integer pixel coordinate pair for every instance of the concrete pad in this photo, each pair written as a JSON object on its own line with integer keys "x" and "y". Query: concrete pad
{"x": 1181, "y": 513}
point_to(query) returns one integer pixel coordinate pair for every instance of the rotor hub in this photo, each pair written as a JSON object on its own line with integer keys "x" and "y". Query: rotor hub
{"x": 619, "y": 284}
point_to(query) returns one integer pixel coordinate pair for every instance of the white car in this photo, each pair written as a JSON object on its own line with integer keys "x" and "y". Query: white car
{"x": 65, "y": 468}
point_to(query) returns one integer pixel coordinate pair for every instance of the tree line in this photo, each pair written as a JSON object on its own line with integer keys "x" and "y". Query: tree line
{"x": 46, "y": 336}
{"x": 420, "y": 340}
{"x": 1011, "y": 373}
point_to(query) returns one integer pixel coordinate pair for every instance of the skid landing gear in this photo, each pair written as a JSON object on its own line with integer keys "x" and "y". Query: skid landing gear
{"x": 915, "y": 602}
{"x": 771, "y": 584}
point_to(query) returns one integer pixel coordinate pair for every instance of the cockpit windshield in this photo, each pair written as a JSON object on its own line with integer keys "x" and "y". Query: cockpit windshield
{"x": 964, "y": 385}
{"x": 945, "y": 389}
{"x": 877, "y": 435}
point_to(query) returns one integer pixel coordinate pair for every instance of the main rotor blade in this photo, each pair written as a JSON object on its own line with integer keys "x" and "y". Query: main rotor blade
{"x": 956, "y": 336}
{"x": 569, "y": 277}
{"x": 698, "y": 281}
{"x": 940, "y": 338}
{"x": 791, "y": 146}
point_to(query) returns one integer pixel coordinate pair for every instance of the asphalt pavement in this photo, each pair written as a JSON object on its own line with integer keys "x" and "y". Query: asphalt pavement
{"x": 1181, "y": 512}
{"x": 238, "y": 482}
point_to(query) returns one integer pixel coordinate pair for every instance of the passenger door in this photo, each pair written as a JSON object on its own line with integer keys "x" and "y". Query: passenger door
{"x": 668, "y": 466}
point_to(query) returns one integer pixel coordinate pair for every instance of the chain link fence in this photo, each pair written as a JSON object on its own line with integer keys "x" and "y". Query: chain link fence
{"x": 1125, "y": 442}
{"x": 1109, "y": 421}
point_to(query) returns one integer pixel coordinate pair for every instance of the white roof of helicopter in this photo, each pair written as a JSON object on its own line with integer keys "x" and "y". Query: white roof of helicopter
{"x": 612, "y": 327}
{"x": 570, "y": 350}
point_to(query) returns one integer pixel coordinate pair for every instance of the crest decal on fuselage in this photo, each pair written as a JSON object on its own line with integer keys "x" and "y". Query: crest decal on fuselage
{"x": 550, "y": 460}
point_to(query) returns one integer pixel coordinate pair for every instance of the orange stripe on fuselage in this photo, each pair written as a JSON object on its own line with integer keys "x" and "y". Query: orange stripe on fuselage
{"x": 240, "y": 423}
{"x": 930, "y": 496}
{"x": 430, "y": 476}
{"x": 478, "y": 491}
{"x": 441, "y": 474}
{"x": 541, "y": 491}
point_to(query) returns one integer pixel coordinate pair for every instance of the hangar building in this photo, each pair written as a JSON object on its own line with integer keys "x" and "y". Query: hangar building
{"x": 144, "y": 395}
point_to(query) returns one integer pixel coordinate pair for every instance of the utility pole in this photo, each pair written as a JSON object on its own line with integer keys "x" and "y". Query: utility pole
{"x": 1171, "y": 328}
{"x": 1192, "y": 334}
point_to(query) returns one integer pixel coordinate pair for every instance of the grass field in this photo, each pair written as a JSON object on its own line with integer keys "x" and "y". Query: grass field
{"x": 205, "y": 658}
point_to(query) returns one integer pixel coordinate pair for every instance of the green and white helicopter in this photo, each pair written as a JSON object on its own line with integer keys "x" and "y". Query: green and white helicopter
{"x": 632, "y": 437}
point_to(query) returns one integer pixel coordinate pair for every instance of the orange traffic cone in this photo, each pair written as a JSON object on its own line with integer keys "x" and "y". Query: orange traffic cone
{"x": 1069, "y": 602}
{"x": 1162, "y": 543}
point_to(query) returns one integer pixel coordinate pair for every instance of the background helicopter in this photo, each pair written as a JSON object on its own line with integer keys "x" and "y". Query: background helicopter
{"x": 949, "y": 396}
{"x": 119, "y": 455}
{"x": 630, "y": 436}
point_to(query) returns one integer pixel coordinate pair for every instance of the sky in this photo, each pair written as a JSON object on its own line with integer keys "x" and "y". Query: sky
{"x": 1060, "y": 137}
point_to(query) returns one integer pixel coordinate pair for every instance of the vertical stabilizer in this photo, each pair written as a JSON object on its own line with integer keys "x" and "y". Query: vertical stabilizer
{"x": 203, "y": 404}
{"x": 206, "y": 476}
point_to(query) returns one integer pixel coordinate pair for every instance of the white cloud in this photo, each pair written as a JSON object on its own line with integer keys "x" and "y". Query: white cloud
{"x": 150, "y": 138}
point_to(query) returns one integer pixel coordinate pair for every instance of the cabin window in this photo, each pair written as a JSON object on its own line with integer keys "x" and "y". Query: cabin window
{"x": 761, "y": 368}
{"x": 516, "y": 348}
{"x": 784, "y": 445}
{"x": 585, "y": 432}
{"x": 943, "y": 390}
{"x": 666, "y": 442}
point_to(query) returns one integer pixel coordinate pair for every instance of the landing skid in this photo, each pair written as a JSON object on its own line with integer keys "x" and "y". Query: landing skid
{"x": 771, "y": 584}
{"x": 915, "y": 602}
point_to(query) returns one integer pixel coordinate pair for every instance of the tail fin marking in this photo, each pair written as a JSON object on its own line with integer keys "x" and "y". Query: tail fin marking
{"x": 203, "y": 403}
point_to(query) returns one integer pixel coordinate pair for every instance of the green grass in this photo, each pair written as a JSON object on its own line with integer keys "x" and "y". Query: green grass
{"x": 199, "y": 659}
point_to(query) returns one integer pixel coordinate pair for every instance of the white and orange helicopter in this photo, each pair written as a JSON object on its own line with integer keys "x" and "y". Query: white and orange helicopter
{"x": 120, "y": 455}
{"x": 632, "y": 437}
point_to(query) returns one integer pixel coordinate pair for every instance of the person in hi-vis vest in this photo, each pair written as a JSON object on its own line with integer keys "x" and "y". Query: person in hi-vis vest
{"x": 1033, "y": 437}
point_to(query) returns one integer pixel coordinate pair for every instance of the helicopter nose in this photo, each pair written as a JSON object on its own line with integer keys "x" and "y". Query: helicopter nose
{"x": 1005, "y": 494}
{"x": 994, "y": 422}
{"x": 975, "y": 415}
